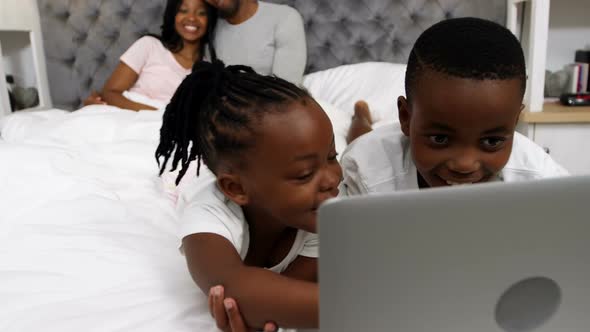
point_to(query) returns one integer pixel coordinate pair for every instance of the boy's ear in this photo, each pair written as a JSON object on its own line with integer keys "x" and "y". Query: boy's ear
{"x": 404, "y": 114}
{"x": 522, "y": 107}
{"x": 231, "y": 186}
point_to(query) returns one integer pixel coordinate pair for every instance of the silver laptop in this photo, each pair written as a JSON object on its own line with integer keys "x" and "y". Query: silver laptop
{"x": 482, "y": 258}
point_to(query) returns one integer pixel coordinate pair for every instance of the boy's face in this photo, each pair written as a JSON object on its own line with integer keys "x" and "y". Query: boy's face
{"x": 460, "y": 130}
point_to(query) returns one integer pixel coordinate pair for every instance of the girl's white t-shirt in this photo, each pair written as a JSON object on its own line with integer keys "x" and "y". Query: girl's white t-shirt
{"x": 207, "y": 210}
{"x": 204, "y": 209}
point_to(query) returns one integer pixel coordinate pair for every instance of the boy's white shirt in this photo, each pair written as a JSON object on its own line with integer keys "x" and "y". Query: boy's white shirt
{"x": 381, "y": 162}
{"x": 207, "y": 210}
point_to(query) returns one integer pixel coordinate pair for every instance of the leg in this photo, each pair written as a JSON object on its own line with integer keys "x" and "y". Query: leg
{"x": 361, "y": 121}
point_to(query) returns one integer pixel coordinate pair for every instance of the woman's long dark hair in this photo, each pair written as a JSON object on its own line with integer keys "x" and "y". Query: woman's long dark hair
{"x": 172, "y": 40}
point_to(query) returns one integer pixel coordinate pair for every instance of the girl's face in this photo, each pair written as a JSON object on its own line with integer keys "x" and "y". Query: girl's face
{"x": 191, "y": 20}
{"x": 292, "y": 167}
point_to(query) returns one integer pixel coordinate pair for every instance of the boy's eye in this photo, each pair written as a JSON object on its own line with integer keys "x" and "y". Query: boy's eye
{"x": 439, "y": 139}
{"x": 492, "y": 142}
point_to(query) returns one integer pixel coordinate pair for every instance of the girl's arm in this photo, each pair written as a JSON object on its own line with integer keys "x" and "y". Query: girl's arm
{"x": 263, "y": 295}
{"x": 122, "y": 79}
{"x": 231, "y": 320}
{"x": 303, "y": 268}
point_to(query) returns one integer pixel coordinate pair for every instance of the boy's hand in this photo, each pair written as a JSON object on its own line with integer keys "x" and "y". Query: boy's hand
{"x": 227, "y": 315}
{"x": 94, "y": 99}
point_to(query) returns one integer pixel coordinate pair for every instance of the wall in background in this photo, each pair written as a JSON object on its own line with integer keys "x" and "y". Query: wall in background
{"x": 569, "y": 30}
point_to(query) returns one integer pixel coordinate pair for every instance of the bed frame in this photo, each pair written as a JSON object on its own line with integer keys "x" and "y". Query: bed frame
{"x": 83, "y": 39}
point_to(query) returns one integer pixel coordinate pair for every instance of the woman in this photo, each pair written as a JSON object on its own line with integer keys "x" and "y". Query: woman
{"x": 154, "y": 65}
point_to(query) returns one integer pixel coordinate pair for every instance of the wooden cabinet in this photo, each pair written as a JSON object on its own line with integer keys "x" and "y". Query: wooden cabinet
{"x": 564, "y": 132}
{"x": 568, "y": 144}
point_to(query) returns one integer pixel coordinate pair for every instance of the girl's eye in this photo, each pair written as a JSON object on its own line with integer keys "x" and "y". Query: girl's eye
{"x": 305, "y": 176}
{"x": 183, "y": 10}
{"x": 333, "y": 157}
{"x": 493, "y": 142}
{"x": 439, "y": 139}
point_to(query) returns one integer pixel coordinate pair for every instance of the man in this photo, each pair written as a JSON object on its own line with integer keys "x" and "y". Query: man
{"x": 267, "y": 37}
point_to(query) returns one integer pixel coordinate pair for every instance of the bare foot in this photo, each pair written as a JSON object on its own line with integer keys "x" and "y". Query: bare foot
{"x": 361, "y": 121}
{"x": 361, "y": 111}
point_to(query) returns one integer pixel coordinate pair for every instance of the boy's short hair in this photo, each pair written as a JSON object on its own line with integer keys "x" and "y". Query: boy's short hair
{"x": 467, "y": 48}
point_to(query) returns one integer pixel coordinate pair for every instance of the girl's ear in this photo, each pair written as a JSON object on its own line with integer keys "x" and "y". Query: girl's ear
{"x": 231, "y": 186}
{"x": 404, "y": 114}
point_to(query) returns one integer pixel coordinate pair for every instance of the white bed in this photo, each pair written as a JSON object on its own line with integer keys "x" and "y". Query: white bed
{"x": 87, "y": 233}
{"x": 87, "y": 240}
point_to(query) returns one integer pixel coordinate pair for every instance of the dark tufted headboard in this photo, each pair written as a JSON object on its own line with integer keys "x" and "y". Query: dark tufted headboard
{"x": 83, "y": 39}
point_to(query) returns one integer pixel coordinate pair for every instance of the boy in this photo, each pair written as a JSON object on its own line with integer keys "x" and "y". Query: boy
{"x": 465, "y": 82}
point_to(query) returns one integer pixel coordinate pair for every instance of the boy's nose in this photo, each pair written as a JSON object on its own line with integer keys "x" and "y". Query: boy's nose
{"x": 465, "y": 163}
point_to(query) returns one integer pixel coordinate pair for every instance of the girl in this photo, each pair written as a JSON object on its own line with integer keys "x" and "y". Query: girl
{"x": 271, "y": 149}
{"x": 154, "y": 66}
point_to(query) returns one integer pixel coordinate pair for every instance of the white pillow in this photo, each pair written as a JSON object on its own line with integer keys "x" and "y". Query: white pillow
{"x": 378, "y": 83}
{"x": 340, "y": 123}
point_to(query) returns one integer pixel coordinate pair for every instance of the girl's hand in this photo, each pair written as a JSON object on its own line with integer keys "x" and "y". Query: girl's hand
{"x": 227, "y": 315}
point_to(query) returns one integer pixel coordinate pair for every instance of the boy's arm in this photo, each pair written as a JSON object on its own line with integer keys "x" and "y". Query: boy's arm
{"x": 263, "y": 295}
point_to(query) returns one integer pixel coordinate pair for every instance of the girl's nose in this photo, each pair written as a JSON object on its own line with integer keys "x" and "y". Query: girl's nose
{"x": 331, "y": 180}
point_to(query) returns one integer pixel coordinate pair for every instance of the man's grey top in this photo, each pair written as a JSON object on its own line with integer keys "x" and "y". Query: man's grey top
{"x": 271, "y": 42}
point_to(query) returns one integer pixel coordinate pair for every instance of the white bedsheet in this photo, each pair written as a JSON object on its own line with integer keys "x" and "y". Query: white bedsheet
{"x": 87, "y": 235}
{"x": 87, "y": 240}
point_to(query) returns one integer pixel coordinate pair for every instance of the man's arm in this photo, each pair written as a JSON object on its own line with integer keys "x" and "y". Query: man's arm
{"x": 263, "y": 295}
{"x": 291, "y": 50}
